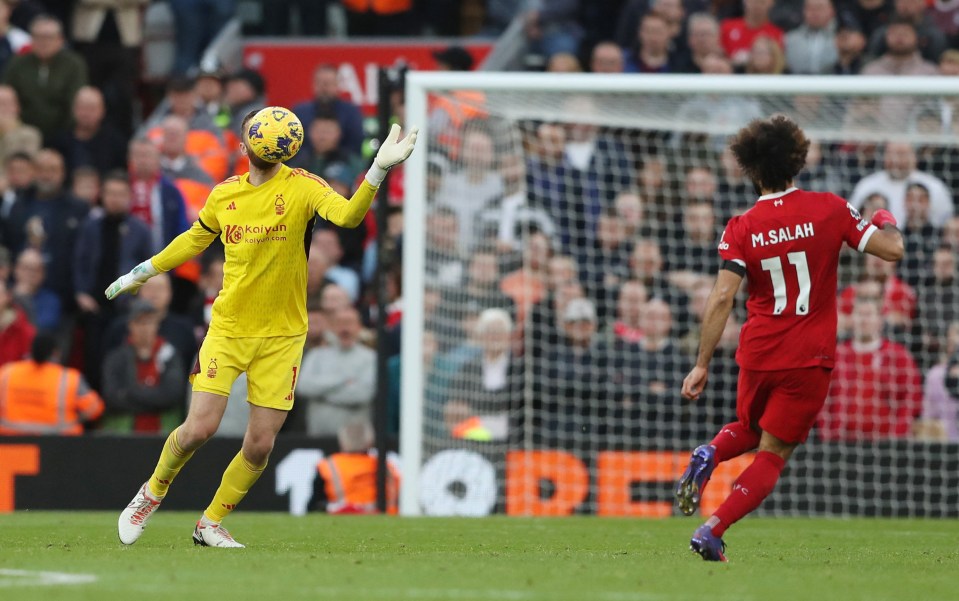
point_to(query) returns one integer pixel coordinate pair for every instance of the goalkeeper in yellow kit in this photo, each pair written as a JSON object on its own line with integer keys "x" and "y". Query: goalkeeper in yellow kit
{"x": 265, "y": 219}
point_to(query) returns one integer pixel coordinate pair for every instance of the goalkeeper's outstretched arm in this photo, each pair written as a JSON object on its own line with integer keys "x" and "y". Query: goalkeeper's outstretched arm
{"x": 338, "y": 210}
{"x": 183, "y": 248}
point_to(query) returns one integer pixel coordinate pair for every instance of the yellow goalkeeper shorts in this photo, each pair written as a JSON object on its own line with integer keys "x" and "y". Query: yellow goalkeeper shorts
{"x": 272, "y": 366}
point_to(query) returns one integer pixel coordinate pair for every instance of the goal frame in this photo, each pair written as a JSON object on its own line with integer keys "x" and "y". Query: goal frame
{"x": 419, "y": 84}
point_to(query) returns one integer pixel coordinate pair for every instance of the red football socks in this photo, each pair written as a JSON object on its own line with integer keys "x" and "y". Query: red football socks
{"x": 752, "y": 486}
{"x": 733, "y": 440}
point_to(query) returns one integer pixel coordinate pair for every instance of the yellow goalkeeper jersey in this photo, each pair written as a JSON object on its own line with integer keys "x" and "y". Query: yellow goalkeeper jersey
{"x": 266, "y": 232}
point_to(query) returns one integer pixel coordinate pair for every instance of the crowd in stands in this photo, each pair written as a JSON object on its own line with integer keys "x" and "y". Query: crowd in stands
{"x": 567, "y": 270}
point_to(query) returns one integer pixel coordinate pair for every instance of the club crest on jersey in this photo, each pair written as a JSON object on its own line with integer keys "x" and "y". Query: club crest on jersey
{"x": 279, "y": 204}
{"x": 211, "y": 369}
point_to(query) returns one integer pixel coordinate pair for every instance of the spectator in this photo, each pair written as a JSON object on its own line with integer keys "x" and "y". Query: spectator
{"x": 938, "y": 296}
{"x": 765, "y": 58}
{"x": 49, "y": 222}
{"x": 580, "y": 383}
{"x": 197, "y": 23}
{"x": 328, "y": 243}
{"x": 338, "y": 382}
{"x": 646, "y": 266}
{"x": 47, "y": 78}
{"x": 696, "y": 255}
{"x": 699, "y": 186}
{"x": 702, "y": 40}
{"x": 174, "y": 328}
{"x": 486, "y": 395}
{"x": 155, "y": 198}
{"x": 563, "y": 62}
{"x": 650, "y": 404}
{"x": 476, "y": 183}
{"x": 527, "y": 285}
{"x": 41, "y": 305}
{"x": 143, "y": 378}
{"x": 899, "y": 162}
{"x": 20, "y": 173}
{"x": 627, "y": 328}
{"x": 325, "y": 136}
{"x": 92, "y": 142}
{"x": 482, "y": 286}
{"x": 939, "y": 420}
{"x": 901, "y": 55}
{"x": 326, "y": 101}
{"x": 850, "y": 44}
{"x": 921, "y": 238}
{"x": 607, "y": 57}
{"x": 545, "y": 317}
{"x": 347, "y": 482}
{"x": 876, "y": 389}
{"x": 879, "y": 283}
{"x": 553, "y": 26}
{"x": 811, "y": 48}
{"x": 13, "y": 40}
{"x": 866, "y": 16}
{"x": 506, "y": 220}
{"x": 16, "y": 331}
{"x": 182, "y": 168}
{"x": 445, "y": 260}
{"x": 209, "y": 286}
{"x": 108, "y": 244}
{"x": 394, "y": 18}
{"x": 85, "y": 186}
{"x": 15, "y": 136}
{"x": 208, "y": 86}
{"x": 112, "y": 52}
{"x": 245, "y": 91}
{"x": 738, "y": 35}
{"x": 652, "y": 54}
{"x": 818, "y": 176}
{"x": 607, "y": 265}
{"x": 930, "y": 40}
{"x": 40, "y": 397}
{"x": 628, "y": 205}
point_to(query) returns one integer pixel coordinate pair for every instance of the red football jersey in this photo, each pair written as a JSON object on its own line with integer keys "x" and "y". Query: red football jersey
{"x": 789, "y": 244}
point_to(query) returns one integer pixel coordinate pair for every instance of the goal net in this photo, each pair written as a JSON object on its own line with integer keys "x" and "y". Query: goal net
{"x": 560, "y": 242}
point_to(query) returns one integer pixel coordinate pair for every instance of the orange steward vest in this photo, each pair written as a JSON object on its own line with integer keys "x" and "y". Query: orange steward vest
{"x": 350, "y": 483}
{"x": 380, "y": 7}
{"x": 45, "y": 398}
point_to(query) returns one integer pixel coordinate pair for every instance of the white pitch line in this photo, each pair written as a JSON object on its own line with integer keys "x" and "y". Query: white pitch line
{"x": 10, "y": 578}
{"x": 492, "y": 594}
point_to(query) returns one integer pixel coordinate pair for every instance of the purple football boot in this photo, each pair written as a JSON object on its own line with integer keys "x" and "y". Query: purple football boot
{"x": 690, "y": 487}
{"x": 709, "y": 546}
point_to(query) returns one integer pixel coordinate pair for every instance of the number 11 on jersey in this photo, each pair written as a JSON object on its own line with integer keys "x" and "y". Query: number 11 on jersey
{"x": 775, "y": 268}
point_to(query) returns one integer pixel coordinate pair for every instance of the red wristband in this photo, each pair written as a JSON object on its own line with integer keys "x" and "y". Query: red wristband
{"x": 882, "y": 217}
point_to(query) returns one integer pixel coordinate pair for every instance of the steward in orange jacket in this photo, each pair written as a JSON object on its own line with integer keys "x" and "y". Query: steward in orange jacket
{"x": 347, "y": 480}
{"x": 39, "y": 396}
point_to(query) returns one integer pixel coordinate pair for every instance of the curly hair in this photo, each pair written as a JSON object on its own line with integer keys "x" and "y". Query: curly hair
{"x": 771, "y": 151}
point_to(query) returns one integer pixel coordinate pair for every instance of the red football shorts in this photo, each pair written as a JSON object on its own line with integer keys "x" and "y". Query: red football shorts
{"x": 784, "y": 403}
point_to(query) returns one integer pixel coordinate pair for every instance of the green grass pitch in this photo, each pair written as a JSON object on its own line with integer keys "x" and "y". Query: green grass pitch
{"x": 561, "y": 559}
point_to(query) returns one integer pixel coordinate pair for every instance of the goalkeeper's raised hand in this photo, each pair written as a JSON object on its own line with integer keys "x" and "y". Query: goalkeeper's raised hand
{"x": 392, "y": 152}
{"x": 131, "y": 282}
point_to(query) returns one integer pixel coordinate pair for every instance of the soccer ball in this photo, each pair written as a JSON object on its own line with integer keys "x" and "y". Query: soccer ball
{"x": 274, "y": 134}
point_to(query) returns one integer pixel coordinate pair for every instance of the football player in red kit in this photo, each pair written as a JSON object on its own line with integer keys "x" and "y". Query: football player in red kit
{"x": 788, "y": 246}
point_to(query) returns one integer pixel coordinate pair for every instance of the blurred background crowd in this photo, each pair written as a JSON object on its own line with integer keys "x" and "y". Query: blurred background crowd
{"x": 567, "y": 270}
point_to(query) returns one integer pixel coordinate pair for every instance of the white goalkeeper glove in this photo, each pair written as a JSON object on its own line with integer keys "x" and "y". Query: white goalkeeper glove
{"x": 392, "y": 152}
{"x": 131, "y": 282}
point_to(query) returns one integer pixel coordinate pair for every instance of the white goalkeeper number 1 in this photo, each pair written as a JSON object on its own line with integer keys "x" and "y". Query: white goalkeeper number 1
{"x": 775, "y": 268}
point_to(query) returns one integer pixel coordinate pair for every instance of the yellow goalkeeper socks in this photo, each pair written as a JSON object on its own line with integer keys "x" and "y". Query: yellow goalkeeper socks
{"x": 239, "y": 476}
{"x": 172, "y": 458}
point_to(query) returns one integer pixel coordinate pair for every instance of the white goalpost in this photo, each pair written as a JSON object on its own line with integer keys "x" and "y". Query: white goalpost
{"x": 559, "y": 236}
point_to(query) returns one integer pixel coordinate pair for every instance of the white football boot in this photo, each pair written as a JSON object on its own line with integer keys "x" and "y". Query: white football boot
{"x": 207, "y": 534}
{"x": 134, "y": 518}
